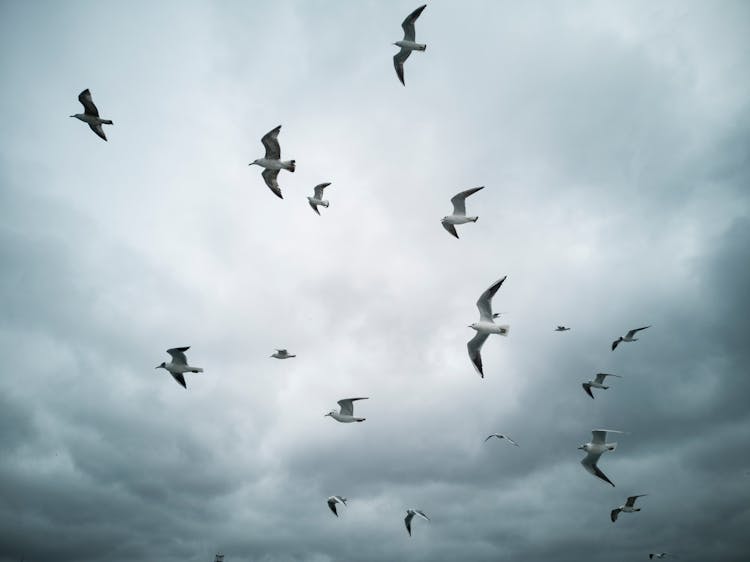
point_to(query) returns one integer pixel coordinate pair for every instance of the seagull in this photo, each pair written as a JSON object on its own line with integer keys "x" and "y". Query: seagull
{"x": 410, "y": 513}
{"x": 562, "y": 329}
{"x": 272, "y": 162}
{"x": 628, "y": 337}
{"x": 179, "y": 365}
{"x": 317, "y": 199}
{"x": 346, "y": 415}
{"x": 282, "y": 354}
{"x": 629, "y": 507}
{"x": 659, "y": 556}
{"x": 459, "y": 211}
{"x": 333, "y": 500}
{"x": 407, "y": 44}
{"x": 485, "y": 326}
{"x": 597, "y": 383}
{"x": 90, "y": 114}
{"x": 595, "y": 449}
{"x": 501, "y": 436}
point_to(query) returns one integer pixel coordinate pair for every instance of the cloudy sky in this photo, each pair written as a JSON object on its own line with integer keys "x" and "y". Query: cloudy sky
{"x": 613, "y": 141}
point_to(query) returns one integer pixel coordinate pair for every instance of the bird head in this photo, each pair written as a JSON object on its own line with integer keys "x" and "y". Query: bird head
{"x": 253, "y": 162}
{"x": 584, "y": 447}
{"x": 330, "y": 413}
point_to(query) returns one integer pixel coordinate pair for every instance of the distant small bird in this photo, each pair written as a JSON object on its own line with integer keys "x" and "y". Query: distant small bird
{"x": 459, "y": 211}
{"x": 317, "y": 199}
{"x": 659, "y": 556}
{"x": 179, "y": 365}
{"x": 562, "y": 329}
{"x": 272, "y": 162}
{"x": 501, "y": 436}
{"x": 333, "y": 500}
{"x": 597, "y": 383}
{"x": 410, "y": 513}
{"x": 628, "y": 337}
{"x": 595, "y": 449}
{"x": 346, "y": 415}
{"x": 282, "y": 354}
{"x": 407, "y": 44}
{"x": 485, "y": 326}
{"x": 90, "y": 114}
{"x": 629, "y": 507}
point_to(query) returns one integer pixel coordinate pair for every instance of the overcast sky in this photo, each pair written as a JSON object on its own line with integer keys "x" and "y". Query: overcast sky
{"x": 613, "y": 140}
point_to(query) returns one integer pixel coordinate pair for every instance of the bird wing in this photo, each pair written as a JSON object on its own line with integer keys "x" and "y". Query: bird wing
{"x": 347, "y": 405}
{"x": 631, "y": 333}
{"x": 332, "y": 505}
{"x": 613, "y": 515}
{"x": 599, "y": 436}
{"x": 97, "y": 128}
{"x": 408, "y": 24}
{"x": 271, "y": 142}
{"x": 484, "y": 304}
{"x": 491, "y": 436}
{"x": 450, "y": 228}
{"x": 459, "y": 200}
{"x": 589, "y": 463}
{"x": 510, "y": 440}
{"x": 270, "y": 178}
{"x": 587, "y": 387}
{"x": 313, "y": 206}
{"x": 398, "y": 63}
{"x": 631, "y": 500}
{"x": 178, "y": 355}
{"x": 599, "y": 379}
{"x": 319, "y": 190}
{"x": 615, "y": 344}
{"x": 88, "y": 105}
{"x": 407, "y": 521}
{"x": 474, "y": 346}
{"x": 421, "y": 514}
{"x": 179, "y": 378}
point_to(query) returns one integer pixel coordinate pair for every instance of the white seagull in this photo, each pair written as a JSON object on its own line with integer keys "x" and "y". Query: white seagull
{"x": 597, "y": 383}
{"x": 628, "y": 337}
{"x": 410, "y": 513}
{"x": 459, "y": 211}
{"x": 407, "y": 44}
{"x": 317, "y": 199}
{"x": 282, "y": 354}
{"x": 595, "y": 448}
{"x": 272, "y": 162}
{"x": 501, "y": 436}
{"x": 90, "y": 114}
{"x": 562, "y": 329}
{"x": 629, "y": 507}
{"x": 659, "y": 556}
{"x": 333, "y": 500}
{"x": 346, "y": 415}
{"x": 179, "y": 365}
{"x": 485, "y": 326}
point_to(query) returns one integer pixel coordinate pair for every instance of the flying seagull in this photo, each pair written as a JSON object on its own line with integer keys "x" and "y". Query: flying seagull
{"x": 628, "y": 337}
{"x": 90, "y": 114}
{"x": 410, "y": 513}
{"x": 346, "y": 415}
{"x": 594, "y": 450}
{"x": 282, "y": 354}
{"x": 407, "y": 44}
{"x": 659, "y": 556}
{"x": 272, "y": 162}
{"x": 179, "y": 365}
{"x": 501, "y": 436}
{"x": 317, "y": 199}
{"x": 333, "y": 500}
{"x": 485, "y": 326}
{"x": 459, "y": 211}
{"x": 562, "y": 329}
{"x": 629, "y": 507}
{"x": 597, "y": 383}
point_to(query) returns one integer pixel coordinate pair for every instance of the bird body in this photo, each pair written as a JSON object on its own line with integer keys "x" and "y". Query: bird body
{"x": 411, "y": 45}
{"x": 628, "y": 507}
{"x": 179, "y": 365}
{"x": 627, "y": 338}
{"x": 598, "y": 382}
{"x": 346, "y": 412}
{"x": 317, "y": 198}
{"x": 90, "y": 114}
{"x": 269, "y": 164}
{"x": 459, "y": 211}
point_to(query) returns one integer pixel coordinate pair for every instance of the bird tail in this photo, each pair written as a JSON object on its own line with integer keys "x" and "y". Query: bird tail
{"x": 423, "y": 47}
{"x": 504, "y": 330}
{"x": 290, "y": 165}
{"x": 360, "y": 419}
{"x": 325, "y": 204}
{"x": 475, "y": 219}
{"x": 197, "y": 370}
{"x": 107, "y": 122}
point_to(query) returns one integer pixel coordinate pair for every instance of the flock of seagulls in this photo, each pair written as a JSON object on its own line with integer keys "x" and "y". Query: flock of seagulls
{"x": 272, "y": 164}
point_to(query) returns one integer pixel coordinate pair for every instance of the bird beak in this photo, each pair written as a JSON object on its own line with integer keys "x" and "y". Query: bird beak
{"x": 157, "y": 366}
